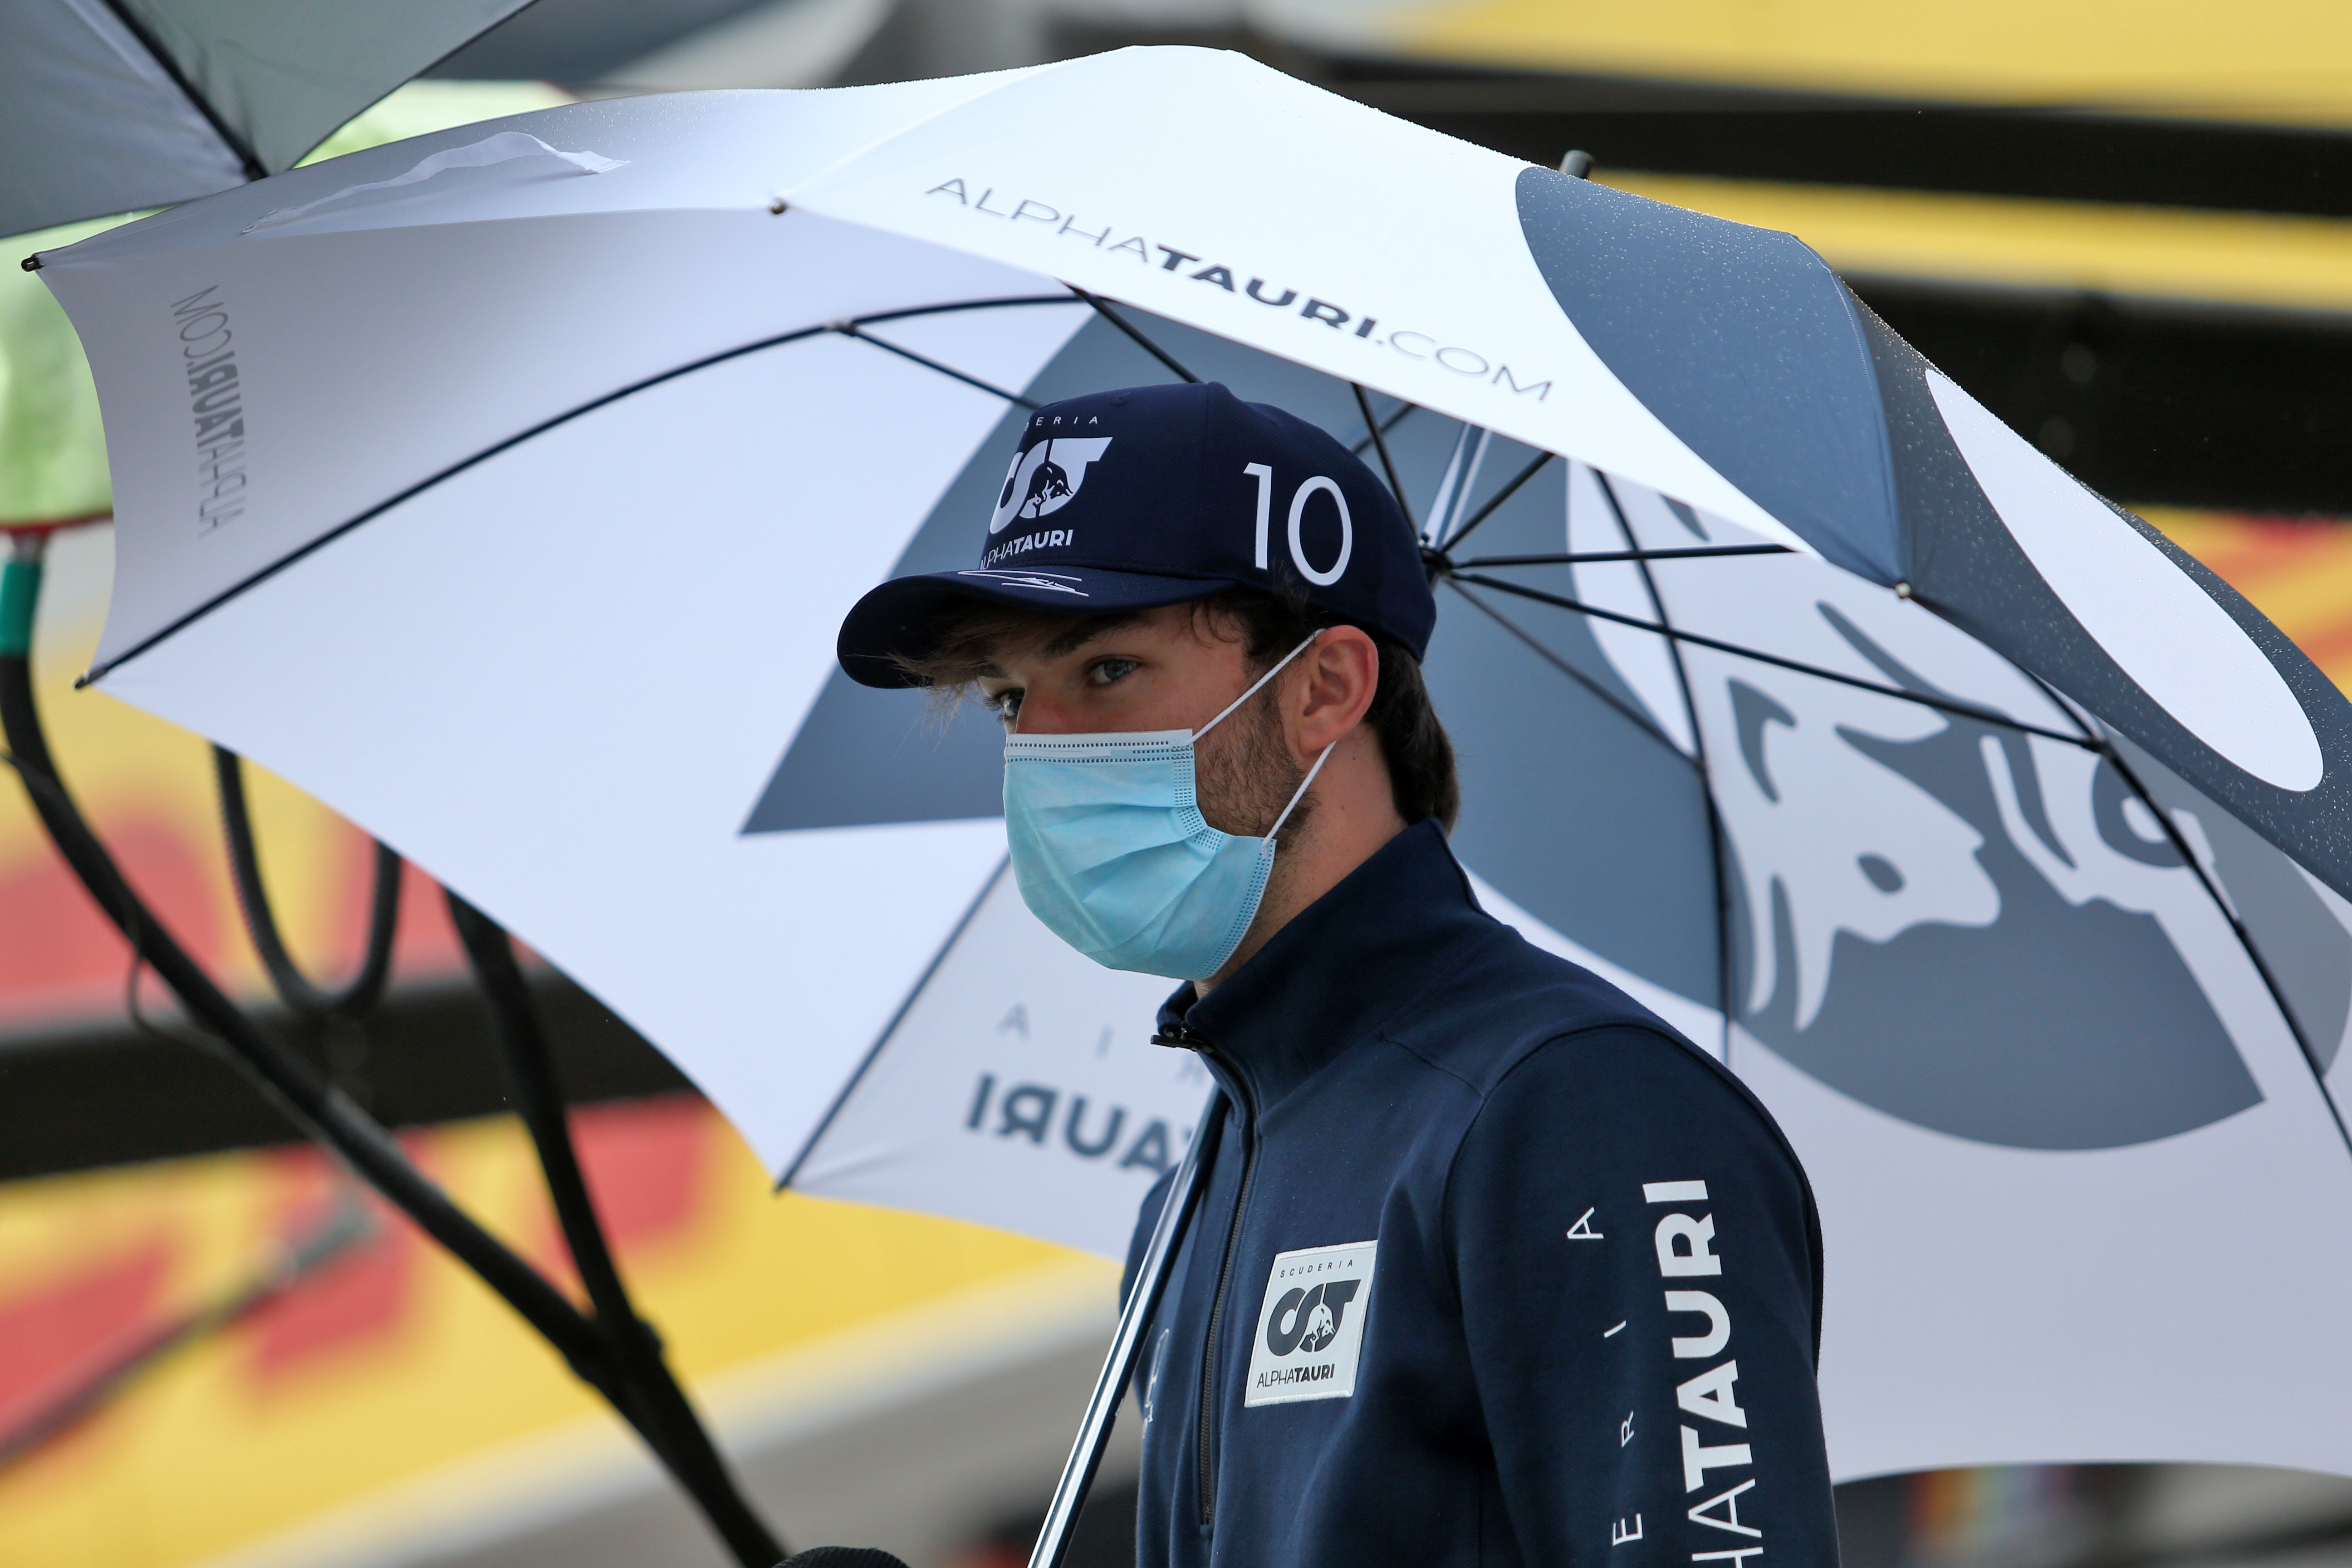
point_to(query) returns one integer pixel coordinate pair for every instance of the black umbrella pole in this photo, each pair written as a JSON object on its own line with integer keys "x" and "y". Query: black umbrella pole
{"x": 659, "y": 1405}
{"x": 359, "y": 996}
{"x": 323, "y": 1111}
{"x": 320, "y": 1111}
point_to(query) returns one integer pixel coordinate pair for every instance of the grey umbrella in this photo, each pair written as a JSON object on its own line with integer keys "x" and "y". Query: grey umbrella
{"x": 107, "y": 106}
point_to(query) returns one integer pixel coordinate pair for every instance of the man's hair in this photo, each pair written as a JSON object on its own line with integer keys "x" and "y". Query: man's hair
{"x": 1421, "y": 778}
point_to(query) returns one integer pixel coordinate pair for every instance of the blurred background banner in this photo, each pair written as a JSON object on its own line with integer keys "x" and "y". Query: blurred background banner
{"x": 2129, "y": 240}
{"x": 2284, "y": 63}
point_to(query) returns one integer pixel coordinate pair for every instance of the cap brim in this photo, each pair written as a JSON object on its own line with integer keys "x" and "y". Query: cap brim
{"x": 901, "y": 616}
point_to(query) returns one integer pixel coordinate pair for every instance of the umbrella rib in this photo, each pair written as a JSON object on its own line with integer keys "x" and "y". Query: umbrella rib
{"x": 262, "y": 574}
{"x": 908, "y": 312}
{"x": 1359, "y": 445}
{"x": 1102, "y": 309}
{"x": 253, "y": 167}
{"x": 1964, "y": 710}
{"x": 1452, "y": 499}
{"x": 2182, "y": 847}
{"x": 1494, "y": 501}
{"x": 1715, "y": 832}
{"x": 1639, "y": 720}
{"x": 849, "y": 329}
{"x": 1582, "y": 557}
{"x": 1388, "y": 463}
{"x": 906, "y": 1005}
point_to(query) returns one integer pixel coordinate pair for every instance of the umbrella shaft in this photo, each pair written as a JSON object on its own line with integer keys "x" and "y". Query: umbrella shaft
{"x": 1127, "y": 1344}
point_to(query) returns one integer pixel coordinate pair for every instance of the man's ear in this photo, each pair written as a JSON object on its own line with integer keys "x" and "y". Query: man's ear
{"x": 1334, "y": 688}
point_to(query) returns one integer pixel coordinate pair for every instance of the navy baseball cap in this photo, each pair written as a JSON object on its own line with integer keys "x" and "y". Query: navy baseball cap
{"x": 1155, "y": 495}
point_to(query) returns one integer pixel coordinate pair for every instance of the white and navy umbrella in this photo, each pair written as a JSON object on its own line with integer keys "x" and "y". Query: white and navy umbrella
{"x": 505, "y": 488}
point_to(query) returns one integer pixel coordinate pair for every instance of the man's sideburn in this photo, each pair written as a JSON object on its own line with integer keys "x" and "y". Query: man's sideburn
{"x": 1244, "y": 785}
{"x": 1246, "y": 774}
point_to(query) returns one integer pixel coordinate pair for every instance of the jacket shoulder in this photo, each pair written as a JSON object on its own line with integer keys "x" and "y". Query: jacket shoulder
{"x": 1510, "y": 1001}
{"x": 1506, "y": 998}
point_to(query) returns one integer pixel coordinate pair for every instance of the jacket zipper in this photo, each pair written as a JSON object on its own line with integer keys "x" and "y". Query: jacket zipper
{"x": 1208, "y": 1445}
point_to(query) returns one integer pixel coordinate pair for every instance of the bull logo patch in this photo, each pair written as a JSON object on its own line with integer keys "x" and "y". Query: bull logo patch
{"x": 1044, "y": 479}
{"x": 1308, "y": 1319}
{"x": 1310, "y": 1326}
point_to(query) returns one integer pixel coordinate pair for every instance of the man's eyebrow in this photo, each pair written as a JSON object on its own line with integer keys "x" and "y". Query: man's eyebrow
{"x": 1085, "y": 632}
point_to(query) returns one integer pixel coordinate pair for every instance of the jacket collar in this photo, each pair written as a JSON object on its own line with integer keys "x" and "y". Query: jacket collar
{"x": 1342, "y": 967}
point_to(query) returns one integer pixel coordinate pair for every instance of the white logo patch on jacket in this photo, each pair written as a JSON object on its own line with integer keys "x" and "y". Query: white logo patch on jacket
{"x": 1310, "y": 1327}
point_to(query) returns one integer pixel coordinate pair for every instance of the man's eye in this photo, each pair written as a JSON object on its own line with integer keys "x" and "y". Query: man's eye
{"x": 1110, "y": 669}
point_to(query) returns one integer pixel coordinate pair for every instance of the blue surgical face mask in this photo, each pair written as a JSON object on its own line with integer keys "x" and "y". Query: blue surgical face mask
{"x": 1111, "y": 851}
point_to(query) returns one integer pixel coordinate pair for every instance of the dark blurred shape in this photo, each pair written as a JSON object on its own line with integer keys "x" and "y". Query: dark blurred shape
{"x": 1577, "y": 165}
{"x": 107, "y": 1095}
{"x": 2095, "y": 1516}
{"x": 581, "y": 41}
{"x": 842, "y": 1557}
{"x": 1873, "y": 1520}
{"x": 1700, "y": 128}
{"x": 2150, "y": 401}
{"x": 139, "y": 1346}
{"x": 1105, "y": 1536}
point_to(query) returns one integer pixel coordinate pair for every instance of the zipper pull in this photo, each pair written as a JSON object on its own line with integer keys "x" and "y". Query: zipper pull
{"x": 1181, "y": 1037}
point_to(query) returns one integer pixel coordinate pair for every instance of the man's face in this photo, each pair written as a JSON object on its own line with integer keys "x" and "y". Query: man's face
{"x": 1169, "y": 668}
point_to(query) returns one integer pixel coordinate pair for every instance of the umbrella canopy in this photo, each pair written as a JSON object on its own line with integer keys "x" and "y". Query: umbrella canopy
{"x": 107, "y": 106}
{"x": 2001, "y": 847}
{"x": 52, "y": 447}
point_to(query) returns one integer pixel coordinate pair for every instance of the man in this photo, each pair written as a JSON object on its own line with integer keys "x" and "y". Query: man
{"x": 1491, "y": 1266}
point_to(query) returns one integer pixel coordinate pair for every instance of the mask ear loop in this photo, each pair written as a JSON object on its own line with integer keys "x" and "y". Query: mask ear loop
{"x": 1300, "y": 794}
{"x": 1252, "y": 691}
{"x": 1275, "y": 831}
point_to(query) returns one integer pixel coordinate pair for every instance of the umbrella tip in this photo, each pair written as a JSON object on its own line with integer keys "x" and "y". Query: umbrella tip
{"x": 1902, "y": 590}
{"x": 31, "y": 263}
{"x": 1576, "y": 164}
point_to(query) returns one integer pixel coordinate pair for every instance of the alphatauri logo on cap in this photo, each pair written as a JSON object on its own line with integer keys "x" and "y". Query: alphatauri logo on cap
{"x": 1045, "y": 479}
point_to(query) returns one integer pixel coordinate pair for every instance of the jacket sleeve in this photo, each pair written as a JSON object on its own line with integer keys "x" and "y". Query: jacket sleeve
{"x": 1146, "y": 1219}
{"x": 1637, "y": 1258}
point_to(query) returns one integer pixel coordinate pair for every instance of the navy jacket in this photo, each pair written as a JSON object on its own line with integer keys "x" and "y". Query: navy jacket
{"x": 1493, "y": 1267}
